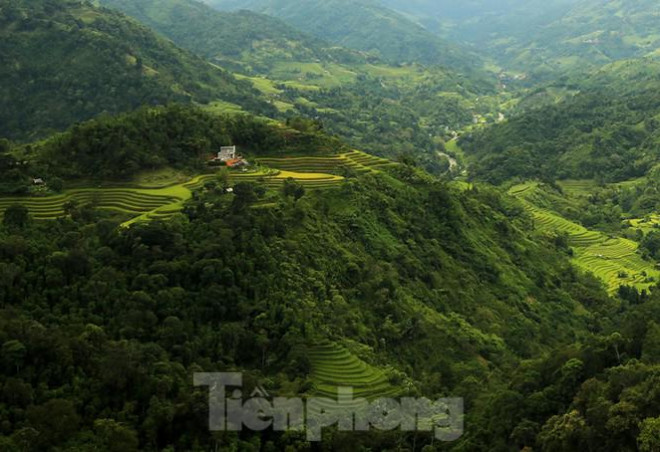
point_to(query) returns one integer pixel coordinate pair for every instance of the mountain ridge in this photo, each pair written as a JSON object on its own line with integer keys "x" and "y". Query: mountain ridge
{"x": 47, "y": 85}
{"x": 364, "y": 25}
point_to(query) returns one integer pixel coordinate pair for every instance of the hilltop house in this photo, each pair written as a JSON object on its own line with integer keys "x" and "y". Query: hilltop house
{"x": 230, "y": 157}
{"x": 226, "y": 153}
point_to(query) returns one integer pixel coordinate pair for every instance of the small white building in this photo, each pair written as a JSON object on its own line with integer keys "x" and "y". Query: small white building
{"x": 227, "y": 153}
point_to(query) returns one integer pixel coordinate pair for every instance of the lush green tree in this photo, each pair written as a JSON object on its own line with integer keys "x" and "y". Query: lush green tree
{"x": 16, "y": 216}
{"x": 649, "y": 435}
{"x": 56, "y": 184}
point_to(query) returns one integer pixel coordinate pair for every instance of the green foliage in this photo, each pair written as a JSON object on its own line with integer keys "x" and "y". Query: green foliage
{"x": 16, "y": 216}
{"x": 117, "y": 66}
{"x": 232, "y": 38}
{"x": 56, "y": 184}
{"x": 615, "y": 260}
{"x": 386, "y": 110}
{"x": 544, "y": 38}
{"x": 600, "y": 133}
{"x": 649, "y": 436}
{"x": 175, "y": 136}
{"x": 363, "y": 25}
{"x": 390, "y": 267}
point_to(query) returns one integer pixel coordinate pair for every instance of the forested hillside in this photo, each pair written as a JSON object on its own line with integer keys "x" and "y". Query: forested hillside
{"x": 67, "y": 61}
{"x": 488, "y": 24}
{"x": 363, "y": 25}
{"x": 592, "y": 33}
{"x": 396, "y": 220}
{"x": 242, "y": 39}
{"x": 117, "y": 148}
{"x": 102, "y": 327}
{"x": 609, "y": 131}
{"x": 544, "y": 38}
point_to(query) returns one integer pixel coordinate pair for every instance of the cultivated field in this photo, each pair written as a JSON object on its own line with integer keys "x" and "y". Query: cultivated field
{"x": 612, "y": 259}
{"x": 354, "y": 160}
{"x": 162, "y": 194}
{"x": 334, "y": 366}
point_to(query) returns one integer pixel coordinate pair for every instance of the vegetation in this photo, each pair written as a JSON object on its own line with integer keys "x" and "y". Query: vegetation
{"x": 129, "y": 259}
{"x": 602, "y": 133}
{"x": 383, "y": 109}
{"x": 52, "y": 52}
{"x": 363, "y": 25}
{"x": 244, "y": 40}
{"x": 333, "y": 366}
{"x": 543, "y": 39}
{"x": 118, "y": 148}
{"x": 612, "y": 259}
{"x": 374, "y": 277}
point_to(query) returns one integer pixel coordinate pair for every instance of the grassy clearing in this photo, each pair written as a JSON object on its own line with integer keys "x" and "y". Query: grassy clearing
{"x": 222, "y": 108}
{"x": 612, "y": 259}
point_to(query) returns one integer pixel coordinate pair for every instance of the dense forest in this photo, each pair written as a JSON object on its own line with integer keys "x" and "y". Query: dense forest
{"x": 50, "y": 77}
{"x": 605, "y": 133}
{"x": 104, "y": 326}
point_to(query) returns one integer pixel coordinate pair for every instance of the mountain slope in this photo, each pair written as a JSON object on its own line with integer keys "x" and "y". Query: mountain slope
{"x": 590, "y": 33}
{"x": 365, "y": 282}
{"x": 230, "y": 38}
{"x": 545, "y": 38}
{"x": 383, "y": 109}
{"x": 68, "y": 61}
{"x": 609, "y": 130}
{"x": 481, "y": 22}
{"x": 362, "y": 25}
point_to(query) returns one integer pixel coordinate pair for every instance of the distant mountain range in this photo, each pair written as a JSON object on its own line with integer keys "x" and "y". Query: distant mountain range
{"x": 242, "y": 39}
{"x": 363, "y": 25}
{"x": 544, "y": 37}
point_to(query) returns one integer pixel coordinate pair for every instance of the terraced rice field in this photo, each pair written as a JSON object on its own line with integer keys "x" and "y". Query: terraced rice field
{"x": 355, "y": 160}
{"x": 648, "y": 224}
{"x": 582, "y": 187}
{"x": 126, "y": 200}
{"x": 613, "y": 259}
{"x": 154, "y": 203}
{"x": 334, "y": 366}
{"x": 149, "y": 202}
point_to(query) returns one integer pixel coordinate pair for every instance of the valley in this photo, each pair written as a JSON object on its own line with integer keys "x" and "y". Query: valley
{"x": 421, "y": 199}
{"x": 614, "y": 260}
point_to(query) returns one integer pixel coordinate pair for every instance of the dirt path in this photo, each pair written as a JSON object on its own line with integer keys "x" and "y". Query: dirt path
{"x": 453, "y": 163}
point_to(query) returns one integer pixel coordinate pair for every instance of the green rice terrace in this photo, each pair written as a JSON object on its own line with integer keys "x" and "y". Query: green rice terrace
{"x": 354, "y": 160}
{"x": 334, "y": 366}
{"x": 647, "y": 224}
{"x": 612, "y": 259}
{"x": 148, "y": 200}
